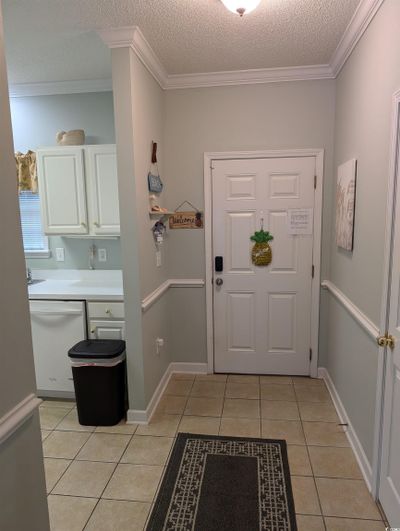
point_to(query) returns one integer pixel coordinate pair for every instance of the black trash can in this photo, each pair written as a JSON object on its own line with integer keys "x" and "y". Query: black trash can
{"x": 99, "y": 371}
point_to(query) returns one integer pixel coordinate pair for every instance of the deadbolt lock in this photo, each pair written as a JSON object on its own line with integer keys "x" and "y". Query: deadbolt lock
{"x": 386, "y": 341}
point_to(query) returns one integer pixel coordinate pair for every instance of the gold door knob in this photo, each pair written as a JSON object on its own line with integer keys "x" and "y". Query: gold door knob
{"x": 386, "y": 341}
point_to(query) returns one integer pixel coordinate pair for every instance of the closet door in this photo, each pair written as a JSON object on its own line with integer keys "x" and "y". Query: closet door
{"x": 102, "y": 181}
{"x": 62, "y": 190}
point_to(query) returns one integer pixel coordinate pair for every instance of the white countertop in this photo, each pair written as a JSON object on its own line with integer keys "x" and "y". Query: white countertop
{"x": 66, "y": 284}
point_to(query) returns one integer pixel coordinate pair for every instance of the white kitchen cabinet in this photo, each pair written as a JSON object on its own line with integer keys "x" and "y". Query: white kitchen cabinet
{"x": 107, "y": 329}
{"x": 62, "y": 190}
{"x": 78, "y": 189}
{"x": 103, "y": 189}
{"x": 106, "y": 320}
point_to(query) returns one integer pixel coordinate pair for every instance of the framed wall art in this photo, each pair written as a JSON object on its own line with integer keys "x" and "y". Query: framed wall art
{"x": 345, "y": 204}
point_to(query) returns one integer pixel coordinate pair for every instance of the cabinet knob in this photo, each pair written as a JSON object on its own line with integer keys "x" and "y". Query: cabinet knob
{"x": 96, "y": 224}
{"x": 108, "y": 311}
{"x": 83, "y": 224}
{"x": 93, "y": 330}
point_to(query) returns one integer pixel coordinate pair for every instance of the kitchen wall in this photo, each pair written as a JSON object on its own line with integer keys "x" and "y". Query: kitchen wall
{"x": 35, "y": 121}
{"x": 22, "y": 484}
{"x": 363, "y": 124}
{"x": 247, "y": 117}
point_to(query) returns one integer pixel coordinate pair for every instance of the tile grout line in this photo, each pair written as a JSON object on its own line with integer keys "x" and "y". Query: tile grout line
{"x": 311, "y": 465}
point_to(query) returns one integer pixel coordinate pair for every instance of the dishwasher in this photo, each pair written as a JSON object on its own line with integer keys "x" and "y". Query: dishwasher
{"x": 56, "y": 327}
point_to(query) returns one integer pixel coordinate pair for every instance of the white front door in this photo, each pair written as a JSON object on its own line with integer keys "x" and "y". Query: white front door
{"x": 262, "y": 314}
{"x": 389, "y": 487}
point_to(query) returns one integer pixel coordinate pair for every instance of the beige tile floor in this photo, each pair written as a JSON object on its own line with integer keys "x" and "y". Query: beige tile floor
{"x": 106, "y": 479}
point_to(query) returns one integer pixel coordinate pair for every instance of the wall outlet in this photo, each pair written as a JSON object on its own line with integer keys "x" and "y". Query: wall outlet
{"x": 158, "y": 258}
{"x": 159, "y": 345}
{"x": 102, "y": 254}
{"x": 60, "y": 255}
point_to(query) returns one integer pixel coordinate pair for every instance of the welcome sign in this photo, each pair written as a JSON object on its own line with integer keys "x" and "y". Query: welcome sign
{"x": 186, "y": 220}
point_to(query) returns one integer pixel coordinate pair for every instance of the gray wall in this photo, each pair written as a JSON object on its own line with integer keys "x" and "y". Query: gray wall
{"x": 22, "y": 484}
{"x": 148, "y": 106}
{"x": 35, "y": 121}
{"x": 248, "y": 117}
{"x": 363, "y": 123}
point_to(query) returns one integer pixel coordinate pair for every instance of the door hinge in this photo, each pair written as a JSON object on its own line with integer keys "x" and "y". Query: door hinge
{"x": 315, "y": 182}
{"x": 310, "y": 354}
{"x": 312, "y": 271}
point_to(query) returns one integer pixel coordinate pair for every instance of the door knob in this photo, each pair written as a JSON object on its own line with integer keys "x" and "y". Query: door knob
{"x": 386, "y": 341}
{"x": 219, "y": 282}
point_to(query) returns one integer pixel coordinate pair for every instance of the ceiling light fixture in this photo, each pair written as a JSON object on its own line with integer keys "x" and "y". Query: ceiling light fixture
{"x": 241, "y": 7}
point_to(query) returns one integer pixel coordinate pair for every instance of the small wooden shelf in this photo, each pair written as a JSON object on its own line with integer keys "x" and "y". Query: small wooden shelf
{"x": 160, "y": 215}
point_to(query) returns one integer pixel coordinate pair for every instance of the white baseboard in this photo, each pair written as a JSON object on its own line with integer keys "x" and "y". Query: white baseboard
{"x": 180, "y": 366}
{"x": 354, "y": 441}
{"x": 143, "y": 416}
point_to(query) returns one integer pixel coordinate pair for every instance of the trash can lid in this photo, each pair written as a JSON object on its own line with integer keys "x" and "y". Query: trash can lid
{"x": 97, "y": 348}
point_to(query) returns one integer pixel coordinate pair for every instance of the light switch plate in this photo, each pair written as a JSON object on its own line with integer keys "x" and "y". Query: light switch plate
{"x": 102, "y": 254}
{"x": 60, "y": 256}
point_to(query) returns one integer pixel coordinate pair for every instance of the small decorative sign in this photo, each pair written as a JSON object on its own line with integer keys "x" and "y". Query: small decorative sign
{"x": 186, "y": 220}
{"x": 300, "y": 221}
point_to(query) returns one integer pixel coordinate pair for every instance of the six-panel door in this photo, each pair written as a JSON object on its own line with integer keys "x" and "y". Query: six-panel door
{"x": 262, "y": 313}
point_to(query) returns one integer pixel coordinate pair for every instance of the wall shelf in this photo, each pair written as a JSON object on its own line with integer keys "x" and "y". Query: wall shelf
{"x": 159, "y": 215}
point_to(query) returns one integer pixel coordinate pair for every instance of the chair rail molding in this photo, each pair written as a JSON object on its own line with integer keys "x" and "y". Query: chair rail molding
{"x": 153, "y": 297}
{"x": 19, "y": 414}
{"x": 366, "y": 323}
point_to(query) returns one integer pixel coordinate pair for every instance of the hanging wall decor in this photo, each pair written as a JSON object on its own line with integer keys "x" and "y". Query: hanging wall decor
{"x": 345, "y": 204}
{"x": 187, "y": 219}
{"x": 154, "y": 180}
{"x": 261, "y": 254}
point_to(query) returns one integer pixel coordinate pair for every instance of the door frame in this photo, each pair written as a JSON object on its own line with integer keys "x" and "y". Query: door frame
{"x": 318, "y": 154}
{"x": 394, "y": 178}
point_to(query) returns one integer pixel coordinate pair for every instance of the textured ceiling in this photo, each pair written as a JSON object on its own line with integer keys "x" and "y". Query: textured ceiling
{"x": 55, "y": 40}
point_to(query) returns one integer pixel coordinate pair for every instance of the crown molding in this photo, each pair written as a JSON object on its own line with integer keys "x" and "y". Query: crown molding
{"x": 20, "y": 90}
{"x": 249, "y": 77}
{"x": 132, "y": 37}
{"x": 363, "y": 15}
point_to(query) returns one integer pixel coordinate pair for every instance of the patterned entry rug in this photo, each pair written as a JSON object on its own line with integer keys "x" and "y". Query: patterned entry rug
{"x": 225, "y": 484}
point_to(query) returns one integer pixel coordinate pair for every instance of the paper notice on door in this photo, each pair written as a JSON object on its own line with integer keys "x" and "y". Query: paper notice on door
{"x": 300, "y": 220}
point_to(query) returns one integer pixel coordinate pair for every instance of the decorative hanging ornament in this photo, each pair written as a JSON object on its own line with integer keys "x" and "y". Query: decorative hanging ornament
{"x": 261, "y": 254}
{"x": 241, "y": 7}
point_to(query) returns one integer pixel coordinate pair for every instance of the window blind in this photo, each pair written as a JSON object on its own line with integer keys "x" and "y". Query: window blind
{"x": 32, "y": 229}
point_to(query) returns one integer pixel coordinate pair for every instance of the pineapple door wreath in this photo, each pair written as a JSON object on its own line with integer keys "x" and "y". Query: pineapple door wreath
{"x": 261, "y": 254}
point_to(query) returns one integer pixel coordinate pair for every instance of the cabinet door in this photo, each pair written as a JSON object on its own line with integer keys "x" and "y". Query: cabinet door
{"x": 102, "y": 181}
{"x": 106, "y": 329}
{"x": 62, "y": 191}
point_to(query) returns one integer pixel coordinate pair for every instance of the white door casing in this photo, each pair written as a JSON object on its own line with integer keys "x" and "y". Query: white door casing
{"x": 62, "y": 191}
{"x": 103, "y": 189}
{"x": 262, "y": 315}
{"x": 387, "y": 439}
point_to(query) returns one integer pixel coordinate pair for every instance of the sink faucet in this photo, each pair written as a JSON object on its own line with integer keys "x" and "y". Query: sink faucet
{"x": 29, "y": 275}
